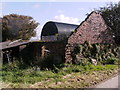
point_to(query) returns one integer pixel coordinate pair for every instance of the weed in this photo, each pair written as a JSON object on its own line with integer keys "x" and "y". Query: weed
{"x": 28, "y": 76}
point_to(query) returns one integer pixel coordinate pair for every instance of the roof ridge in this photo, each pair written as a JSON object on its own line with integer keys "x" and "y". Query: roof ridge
{"x": 14, "y": 41}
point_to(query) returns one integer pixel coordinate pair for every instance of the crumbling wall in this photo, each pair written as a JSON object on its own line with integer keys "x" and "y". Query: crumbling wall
{"x": 92, "y": 30}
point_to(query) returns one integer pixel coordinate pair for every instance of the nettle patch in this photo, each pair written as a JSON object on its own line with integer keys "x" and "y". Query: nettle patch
{"x": 101, "y": 53}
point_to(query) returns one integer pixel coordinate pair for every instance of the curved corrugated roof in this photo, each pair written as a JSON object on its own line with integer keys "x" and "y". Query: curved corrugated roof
{"x": 52, "y": 28}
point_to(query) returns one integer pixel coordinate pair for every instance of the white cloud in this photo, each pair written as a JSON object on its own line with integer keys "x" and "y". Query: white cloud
{"x": 60, "y": 11}
{"x": 65, "y": 19}
{"x": 38, "y": 30}
{"x": 38, "y": 34}
{"x": 36, "y": 6}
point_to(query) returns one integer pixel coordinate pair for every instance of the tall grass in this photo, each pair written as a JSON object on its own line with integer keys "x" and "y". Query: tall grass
{"x": 13, "y": 74}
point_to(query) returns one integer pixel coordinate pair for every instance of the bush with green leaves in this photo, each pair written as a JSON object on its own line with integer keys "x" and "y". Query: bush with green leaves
{"x": 83, "y": 53}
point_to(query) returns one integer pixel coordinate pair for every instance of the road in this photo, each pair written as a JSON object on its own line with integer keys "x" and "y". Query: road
{"x": 110, "y": 83}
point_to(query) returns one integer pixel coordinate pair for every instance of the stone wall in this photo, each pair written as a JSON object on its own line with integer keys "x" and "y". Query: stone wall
{"x": 92, "y": 30}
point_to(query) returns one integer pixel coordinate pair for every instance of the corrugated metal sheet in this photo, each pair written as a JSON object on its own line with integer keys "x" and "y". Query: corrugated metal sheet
{"x": 9, "y": 44}
{"x": 58, "y": 29}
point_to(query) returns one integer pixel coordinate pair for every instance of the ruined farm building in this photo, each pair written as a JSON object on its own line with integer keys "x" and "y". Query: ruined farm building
{"x": 54, "y": 36}
{"x": 58, "y": 39}
{"x": 93, "y": 30}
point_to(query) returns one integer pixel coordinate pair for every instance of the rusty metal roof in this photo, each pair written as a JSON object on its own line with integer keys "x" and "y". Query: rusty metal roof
{"x": 10, "y": 44}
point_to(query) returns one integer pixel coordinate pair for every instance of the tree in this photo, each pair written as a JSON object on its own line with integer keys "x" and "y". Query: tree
{"x": 111, "y": 15}
{"x": 17, "y": 27}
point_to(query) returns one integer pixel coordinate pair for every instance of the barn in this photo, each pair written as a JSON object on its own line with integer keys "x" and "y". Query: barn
{"x": 53, "y": 41}
{"x": 58, "y": 38}
{"x": 56, "y": 31}
{"x": 53, "y": 35}
{"x": 93, "y": 30}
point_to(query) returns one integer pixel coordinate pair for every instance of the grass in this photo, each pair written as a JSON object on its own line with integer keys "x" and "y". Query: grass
{"x": 65, "y": 76}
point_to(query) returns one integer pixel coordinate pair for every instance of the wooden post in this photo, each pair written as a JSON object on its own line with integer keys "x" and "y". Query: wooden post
{"x": 43, "y": 51}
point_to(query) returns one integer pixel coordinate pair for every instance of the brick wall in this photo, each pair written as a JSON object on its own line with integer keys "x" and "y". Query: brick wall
{"x": 93, "y": 30}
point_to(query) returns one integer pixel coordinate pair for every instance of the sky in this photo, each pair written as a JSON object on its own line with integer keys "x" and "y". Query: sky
{"x": 42, "y": 12}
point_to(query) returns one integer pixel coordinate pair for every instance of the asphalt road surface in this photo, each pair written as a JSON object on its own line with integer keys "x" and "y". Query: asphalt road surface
{"x": 113, "y": 82}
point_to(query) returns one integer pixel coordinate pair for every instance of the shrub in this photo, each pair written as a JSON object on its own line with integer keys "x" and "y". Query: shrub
{"x": 112, "y": 61}
{"x": 101, "y": 52}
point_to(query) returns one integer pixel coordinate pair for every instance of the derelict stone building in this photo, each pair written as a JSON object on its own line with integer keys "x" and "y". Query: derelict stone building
{"x": 53, "y": 36}
{"x": 58, "y": 39}
{"x": 93, "y": 30}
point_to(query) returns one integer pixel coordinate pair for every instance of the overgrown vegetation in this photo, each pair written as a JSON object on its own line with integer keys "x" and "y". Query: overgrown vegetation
{"x": 103, "y": 54}
{"x": 46, "y": 74}
{"x": 17, "y": 77}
